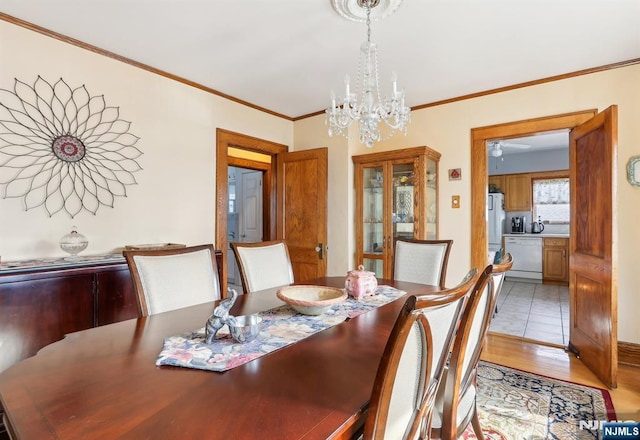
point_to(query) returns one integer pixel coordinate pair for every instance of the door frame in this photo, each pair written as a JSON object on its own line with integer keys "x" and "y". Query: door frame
{"x": 479, "y": 175}
{"x": 224, "y": 140}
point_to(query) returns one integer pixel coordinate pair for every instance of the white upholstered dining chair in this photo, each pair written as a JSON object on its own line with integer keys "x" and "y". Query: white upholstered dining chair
{"x": 412, "y": 364}
{"x": 169, "y": 279}
{"x": 263, "y": 265}
{"x": 421, "y": 261}
{"x": 455, "y": 404}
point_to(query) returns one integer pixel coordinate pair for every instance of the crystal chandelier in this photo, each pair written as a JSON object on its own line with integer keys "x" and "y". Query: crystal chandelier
{"x": 366, "y": 105}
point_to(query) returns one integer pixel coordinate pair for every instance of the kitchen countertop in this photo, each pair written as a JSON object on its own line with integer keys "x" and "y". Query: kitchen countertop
{"x": 538, "y": 235}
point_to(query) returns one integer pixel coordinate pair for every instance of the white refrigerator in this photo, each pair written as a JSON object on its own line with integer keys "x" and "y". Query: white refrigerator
{"x": 496, "y": 217}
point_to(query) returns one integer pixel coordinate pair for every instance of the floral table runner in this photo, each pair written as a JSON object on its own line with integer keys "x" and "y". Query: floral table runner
{"x": 280, "y": 327}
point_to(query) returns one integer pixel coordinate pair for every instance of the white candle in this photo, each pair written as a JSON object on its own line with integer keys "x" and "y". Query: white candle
{"x": 394, "y": 80}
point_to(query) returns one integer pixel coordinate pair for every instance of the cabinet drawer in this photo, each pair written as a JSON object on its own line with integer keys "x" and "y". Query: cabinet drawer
{"x": 554, "y": 241}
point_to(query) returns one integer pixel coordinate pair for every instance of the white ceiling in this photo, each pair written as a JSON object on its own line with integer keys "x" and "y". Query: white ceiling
{"x": 287, "y": 55}
{"x": 556, "y": 140}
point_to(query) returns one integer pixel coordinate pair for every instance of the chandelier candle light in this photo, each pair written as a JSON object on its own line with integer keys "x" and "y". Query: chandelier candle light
{"x": 368, "y": 108}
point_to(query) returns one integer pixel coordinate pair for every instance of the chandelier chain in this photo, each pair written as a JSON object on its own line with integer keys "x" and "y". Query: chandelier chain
{"x": 368, "y": 22}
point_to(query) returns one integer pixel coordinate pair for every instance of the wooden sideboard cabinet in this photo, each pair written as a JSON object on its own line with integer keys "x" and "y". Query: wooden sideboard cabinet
{"x": 40, "y": 306}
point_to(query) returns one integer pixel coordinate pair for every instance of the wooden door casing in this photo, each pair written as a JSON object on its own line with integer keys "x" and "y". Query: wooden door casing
{"x": 592, "y": 245}
{"x": 224, "y": 140}
{"x": 302, "y": 210}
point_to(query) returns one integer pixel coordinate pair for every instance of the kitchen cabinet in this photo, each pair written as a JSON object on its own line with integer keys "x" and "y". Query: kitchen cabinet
{"x": 517, "y": 192}
{"x": 396, "y": 196}
{"x": 555, "y": 260}
{"x": 497, "y": 181}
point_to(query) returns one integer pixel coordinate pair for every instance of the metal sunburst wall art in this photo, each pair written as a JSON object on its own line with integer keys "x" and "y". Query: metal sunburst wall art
{"x": 63, "y": 149}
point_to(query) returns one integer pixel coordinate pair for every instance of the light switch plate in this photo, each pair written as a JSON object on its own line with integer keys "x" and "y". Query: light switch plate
{"x": 455, "y": 201}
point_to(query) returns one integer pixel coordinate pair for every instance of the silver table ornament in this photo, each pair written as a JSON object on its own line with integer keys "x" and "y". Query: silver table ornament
{"x": 220, "y": 316}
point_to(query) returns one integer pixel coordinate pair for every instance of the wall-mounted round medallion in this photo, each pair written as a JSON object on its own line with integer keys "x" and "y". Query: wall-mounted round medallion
{"x": 68, "y": 148}
{"x": 355, "y": 10}
{"x": 63, "y": 149}
{"x": 633, "y": 171}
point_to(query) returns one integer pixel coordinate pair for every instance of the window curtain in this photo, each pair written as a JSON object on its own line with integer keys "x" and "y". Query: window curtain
{"x": 551, "y": 191}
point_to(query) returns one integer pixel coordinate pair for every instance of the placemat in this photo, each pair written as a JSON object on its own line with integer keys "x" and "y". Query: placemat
{"x": 281, "y": 326}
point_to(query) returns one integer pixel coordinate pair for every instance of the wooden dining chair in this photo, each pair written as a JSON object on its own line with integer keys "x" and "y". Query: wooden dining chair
{"x": 263, "y": 265}
{"x": 498, "y": 274}
{"x": 421, "y": 261}
{"x": 169, "y": 279}
{"x": 412, "y": 364}
{"x": 456, "y": 399}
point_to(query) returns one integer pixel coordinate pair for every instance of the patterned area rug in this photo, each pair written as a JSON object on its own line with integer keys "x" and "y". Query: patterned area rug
{"x": 516, "y": 405}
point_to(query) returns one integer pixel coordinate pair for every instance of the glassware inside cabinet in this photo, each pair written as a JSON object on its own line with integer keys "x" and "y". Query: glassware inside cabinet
{"x": 372, "y": 215}
{"x": 374, "y": 265}
{"x": 432, "y": 200}
{"x": 403, "y": 200}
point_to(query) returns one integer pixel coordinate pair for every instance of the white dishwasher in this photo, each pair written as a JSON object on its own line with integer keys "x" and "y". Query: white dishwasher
{"x": 526, "y": 252}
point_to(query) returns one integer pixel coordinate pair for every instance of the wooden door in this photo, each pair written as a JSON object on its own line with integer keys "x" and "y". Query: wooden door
{"x": 592, "y": 245}
{"x": 251, "y": 228}
{"x": 302, "y": 210}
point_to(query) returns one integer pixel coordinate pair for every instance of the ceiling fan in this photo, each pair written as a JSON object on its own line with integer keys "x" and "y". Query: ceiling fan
{"x": 495, "y": 148}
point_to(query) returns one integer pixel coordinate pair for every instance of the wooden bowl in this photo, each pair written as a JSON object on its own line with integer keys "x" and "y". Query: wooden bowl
{"x": 311, "y": 300}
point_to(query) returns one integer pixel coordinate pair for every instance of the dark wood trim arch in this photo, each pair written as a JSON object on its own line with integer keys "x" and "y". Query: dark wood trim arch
{"x": 224, "y": 140}
{"x": 479, "y": 179}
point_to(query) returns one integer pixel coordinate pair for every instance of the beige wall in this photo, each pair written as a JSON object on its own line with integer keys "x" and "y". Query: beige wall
{"x": 446, "y": 128}
{"x": 174, "y": 200}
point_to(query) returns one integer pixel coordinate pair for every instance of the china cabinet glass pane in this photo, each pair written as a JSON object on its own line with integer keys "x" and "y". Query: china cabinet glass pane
{"x": 372, "y": 215}
{"x": 432, "y": 200}
{"x": 402, "y": 215}
{"x": 374, "y": 265}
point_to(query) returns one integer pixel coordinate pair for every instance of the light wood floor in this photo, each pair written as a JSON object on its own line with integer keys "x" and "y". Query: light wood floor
{"x": 555, "y": 362}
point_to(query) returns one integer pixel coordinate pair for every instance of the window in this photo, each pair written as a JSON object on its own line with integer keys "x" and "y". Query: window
{"x": 551, "y": 199}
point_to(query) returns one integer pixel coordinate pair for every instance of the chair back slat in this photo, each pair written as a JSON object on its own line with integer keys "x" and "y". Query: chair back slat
{"x": 263, "y": 265}
{"x": 456, "y": 398}
{"x": 498, "y": 273}
{"x": 169, "y": 279}
{"x": 413, "y": 362}
{"x": 421, "y": 261}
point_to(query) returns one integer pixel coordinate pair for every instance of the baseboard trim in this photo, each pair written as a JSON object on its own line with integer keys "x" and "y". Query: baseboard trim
{"x": 629, "y": 353}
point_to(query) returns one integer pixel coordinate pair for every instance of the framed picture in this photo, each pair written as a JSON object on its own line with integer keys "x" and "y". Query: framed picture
{"x": 455, "y": 174}
{"x": 633, "y": 171}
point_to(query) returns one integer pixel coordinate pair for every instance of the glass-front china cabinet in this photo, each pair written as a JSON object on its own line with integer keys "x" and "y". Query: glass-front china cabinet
{"x": 396, "y": 197}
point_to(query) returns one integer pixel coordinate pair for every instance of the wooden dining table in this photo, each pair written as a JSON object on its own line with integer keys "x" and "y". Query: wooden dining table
{"x": 103, "y": 383}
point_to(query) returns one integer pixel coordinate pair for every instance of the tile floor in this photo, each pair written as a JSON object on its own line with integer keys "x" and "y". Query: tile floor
{"x": 533, "y": 311}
